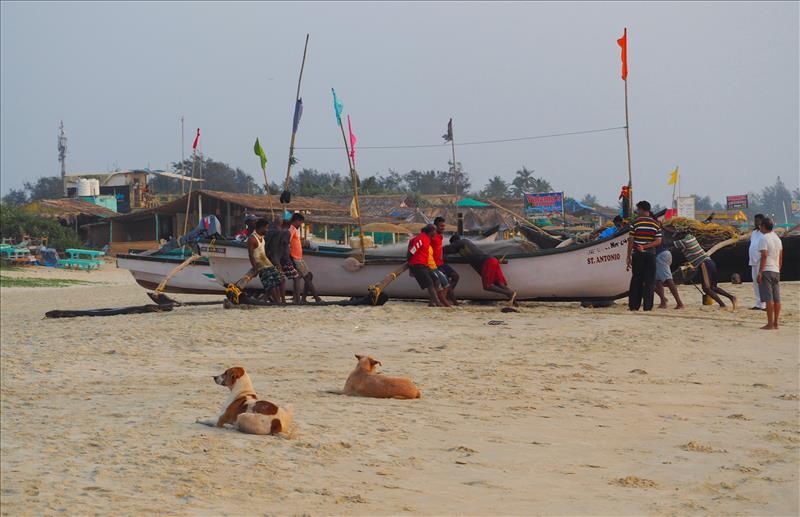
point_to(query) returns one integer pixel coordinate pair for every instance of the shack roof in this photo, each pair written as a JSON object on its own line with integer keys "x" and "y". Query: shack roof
{"x": 68, "y": 208}
{"x": 246, "y": 201}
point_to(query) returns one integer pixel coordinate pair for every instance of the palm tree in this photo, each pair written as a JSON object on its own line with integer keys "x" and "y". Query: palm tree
{"x": 497, "y": 187}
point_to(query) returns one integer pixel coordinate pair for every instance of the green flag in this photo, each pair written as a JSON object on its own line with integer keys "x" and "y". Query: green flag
{"x": 260, "y": 153}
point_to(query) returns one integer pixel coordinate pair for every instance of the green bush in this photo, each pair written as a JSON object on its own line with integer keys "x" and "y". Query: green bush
{"x": 16, "y": 223}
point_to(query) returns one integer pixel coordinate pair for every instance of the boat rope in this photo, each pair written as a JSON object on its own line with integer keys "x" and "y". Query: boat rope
{"x": 477, "y": 142}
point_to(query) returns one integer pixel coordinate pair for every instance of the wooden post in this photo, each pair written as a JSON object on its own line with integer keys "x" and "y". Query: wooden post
{"x": 156, "y": 227}
{"x": 325, "y": 229}
{"x": 228, "y": 224}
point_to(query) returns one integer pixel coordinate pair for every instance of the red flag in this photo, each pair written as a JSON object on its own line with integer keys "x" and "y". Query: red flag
{"x": 196, "y": 139}
{"x": 352, "y": 141}
{"x": 623, "y": 43}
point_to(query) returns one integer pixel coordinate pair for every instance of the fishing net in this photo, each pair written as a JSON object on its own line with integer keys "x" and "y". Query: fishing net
{"x": 707, "y": 234}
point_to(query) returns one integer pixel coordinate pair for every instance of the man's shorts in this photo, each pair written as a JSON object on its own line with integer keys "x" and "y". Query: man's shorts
{"x": 710, "y": 268}
{"x": 491, "y": 274}
{"x": 770, "y": 287}
{"x": 270, "y": 277}
{"x": 290, "y": 272}
{"x": 440, "y": 277}
{"x": 422, "y": 274}
{"x": 663, "y": 263}
{"x": 301, "y": 267}
{"x": 448, "y": 271}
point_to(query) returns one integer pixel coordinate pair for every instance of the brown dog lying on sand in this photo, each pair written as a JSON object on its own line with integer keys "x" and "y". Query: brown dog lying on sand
{"x": 365, "y": 382}
{"x": 243, "y": 408}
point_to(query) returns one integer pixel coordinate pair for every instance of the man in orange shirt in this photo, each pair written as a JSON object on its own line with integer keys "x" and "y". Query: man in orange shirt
{"x": 296, "y": 252}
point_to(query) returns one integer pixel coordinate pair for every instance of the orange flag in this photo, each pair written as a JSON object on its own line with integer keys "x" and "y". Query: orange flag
{"x": 623, "y": 43}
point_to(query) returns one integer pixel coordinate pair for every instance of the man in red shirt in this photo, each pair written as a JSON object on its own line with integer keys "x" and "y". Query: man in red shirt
{"x": 438, "y": 256}
{"x": 420, "y": 259}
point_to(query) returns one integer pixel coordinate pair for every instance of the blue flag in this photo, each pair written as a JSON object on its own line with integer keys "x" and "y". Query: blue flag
{"x": 298, "y": 112}
{"x": 337, "y": 107}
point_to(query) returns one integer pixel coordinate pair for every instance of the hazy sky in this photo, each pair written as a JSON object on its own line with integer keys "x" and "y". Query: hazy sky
{"x": 713, "y": 88}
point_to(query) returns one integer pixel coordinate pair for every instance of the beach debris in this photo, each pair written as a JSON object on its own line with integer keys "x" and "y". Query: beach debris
{"x": 495, "y": 322}
{"x": 694, "y": 446}
{"x": 634, "y": 482}
{"x": 509, "y": 309}
{"x": 738, "y": 416}
{"x": 639, "y": 371}
{"x": 789, "y": 396}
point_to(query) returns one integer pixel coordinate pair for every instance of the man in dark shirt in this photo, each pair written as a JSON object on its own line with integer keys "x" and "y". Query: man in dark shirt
{"x": 487, "y": 267}
{"x": 643, "y": 240}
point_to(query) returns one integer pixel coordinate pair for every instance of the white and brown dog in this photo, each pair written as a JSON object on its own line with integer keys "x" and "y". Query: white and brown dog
{"x": 364, "y": 381}
{"x": 245, "y": 410}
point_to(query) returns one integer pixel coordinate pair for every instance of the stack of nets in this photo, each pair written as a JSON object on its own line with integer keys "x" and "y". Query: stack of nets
{"x": 706, "y": 234}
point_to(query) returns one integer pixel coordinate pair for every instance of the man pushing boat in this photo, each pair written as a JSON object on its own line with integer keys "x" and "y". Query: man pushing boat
{"x": 487, "y": 267}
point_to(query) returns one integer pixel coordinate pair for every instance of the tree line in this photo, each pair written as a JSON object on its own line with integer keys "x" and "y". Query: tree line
{"x": 311, "y": 182}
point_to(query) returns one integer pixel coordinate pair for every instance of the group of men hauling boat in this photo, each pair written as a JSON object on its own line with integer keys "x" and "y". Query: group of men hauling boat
{"x": 650, "y": 258}
{"x": 426, "y": 262}
{"x": 276, "y": 254}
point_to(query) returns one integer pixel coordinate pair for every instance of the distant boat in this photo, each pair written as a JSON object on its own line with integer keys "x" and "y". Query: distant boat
{"x": 591, "y": 271}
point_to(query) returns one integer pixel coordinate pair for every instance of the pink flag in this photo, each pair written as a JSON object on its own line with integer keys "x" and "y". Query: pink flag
{"x": 196, "y": 139}
{"x": 352, "y": 141}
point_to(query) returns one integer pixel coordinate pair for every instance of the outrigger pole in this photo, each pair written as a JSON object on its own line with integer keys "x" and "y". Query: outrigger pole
{"x": 286, "y": 196}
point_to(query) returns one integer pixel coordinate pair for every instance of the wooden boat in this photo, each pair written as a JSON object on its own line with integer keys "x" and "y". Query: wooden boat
{"x": 150, "y": 270}
{"x": 590, "y": 271}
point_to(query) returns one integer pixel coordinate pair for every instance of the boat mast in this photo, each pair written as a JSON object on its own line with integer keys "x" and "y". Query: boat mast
{"x": 62, "y": 156}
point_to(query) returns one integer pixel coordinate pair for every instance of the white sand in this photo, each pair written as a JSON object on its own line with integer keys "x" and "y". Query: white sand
{"x": 561, "y": 410}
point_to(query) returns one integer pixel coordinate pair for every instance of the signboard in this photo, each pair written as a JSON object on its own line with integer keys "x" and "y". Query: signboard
{"x": 544, "y": 204}
{"x": 686, "y": 207}
{"x": 795, "y": 206}
{"x": 737, "y": 202}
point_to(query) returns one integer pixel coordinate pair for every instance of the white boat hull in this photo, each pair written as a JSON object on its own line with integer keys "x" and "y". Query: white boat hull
{"x": 197, "y": 278}
{"x": 595, "y": 271}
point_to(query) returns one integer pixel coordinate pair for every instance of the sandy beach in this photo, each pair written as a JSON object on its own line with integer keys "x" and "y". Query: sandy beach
{"x": 557, "y": 410}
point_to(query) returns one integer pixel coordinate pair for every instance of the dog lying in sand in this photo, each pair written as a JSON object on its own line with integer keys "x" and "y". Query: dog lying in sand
{"x": 365, "y": 382}
{"x": 243, "y": 408}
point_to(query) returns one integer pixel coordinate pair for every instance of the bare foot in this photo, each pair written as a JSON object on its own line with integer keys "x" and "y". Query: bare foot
{"x": 767, "y": 327}
{"x": 679, "y": 306}
{"x": 733, "y": 302}
{"x": 662, "y": 305}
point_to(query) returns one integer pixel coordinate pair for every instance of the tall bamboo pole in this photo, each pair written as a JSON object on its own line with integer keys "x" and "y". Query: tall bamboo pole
{"x": 354, "y": 178}
{"x": 189, "y": 198}
{"x": 628, "y": 139}
{"x": 285, "y": 195}
{"x": 455, "y": 169}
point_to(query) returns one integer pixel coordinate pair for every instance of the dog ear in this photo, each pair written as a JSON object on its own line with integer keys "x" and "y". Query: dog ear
{"x": 236, "y": 372}
{"x": 359, "y": 357}
{"x": 373, "y": 362}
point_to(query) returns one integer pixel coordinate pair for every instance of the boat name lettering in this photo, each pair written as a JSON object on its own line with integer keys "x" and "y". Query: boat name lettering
{"x": 604, "y": 258}
{"x": 213, "y": 249}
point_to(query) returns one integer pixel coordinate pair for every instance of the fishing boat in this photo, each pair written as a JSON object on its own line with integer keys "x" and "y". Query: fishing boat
{"x": 150, "y": 269}
{"x": 592, "y": 271}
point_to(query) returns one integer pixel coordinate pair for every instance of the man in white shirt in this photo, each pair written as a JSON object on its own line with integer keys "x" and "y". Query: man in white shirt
{"x": 769, "y": 272}
{"x": 755, "y": 258}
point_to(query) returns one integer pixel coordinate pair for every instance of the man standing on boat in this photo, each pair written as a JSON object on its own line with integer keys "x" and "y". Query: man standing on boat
{"x": 438, "y": 257}
{"x": 643, "y": 240}
{"x": 296, "y": 252}
{"x": 262, "y": 267}
{"x": 487, "y": 267}
{"x": 242, "y": 235}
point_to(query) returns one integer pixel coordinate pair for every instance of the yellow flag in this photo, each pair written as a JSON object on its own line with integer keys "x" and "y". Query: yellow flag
{"x": 353, "y": 209}
{"x": 673, "y": 179}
